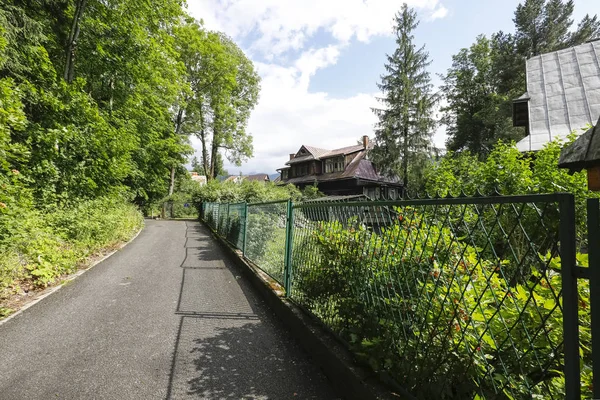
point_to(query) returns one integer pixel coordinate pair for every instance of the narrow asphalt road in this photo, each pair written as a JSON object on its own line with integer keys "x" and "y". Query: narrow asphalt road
{"x": 164, "y": 318}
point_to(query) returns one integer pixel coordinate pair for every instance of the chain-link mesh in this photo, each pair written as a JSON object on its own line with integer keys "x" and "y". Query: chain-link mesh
{"x": 266, "y": 237}
{"x": 210, "y": 214}
{"x": 236, "y": 224}
{"x": 452, "y": 299}
{"x": 460, "y": 298}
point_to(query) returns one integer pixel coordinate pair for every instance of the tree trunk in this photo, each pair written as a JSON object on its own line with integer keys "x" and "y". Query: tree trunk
{"x": 178, "y": 123}
{"x": 213, "y": 155}
{"x": 72, "y": 41}
{"x": 204, "y": 153}
{"x": 214, "y": 146}
{"x": 405, "y": 157}
{"x": 172, "y": 183}
{"x": 203, "y": 141}
{"x": 111, "y": 100}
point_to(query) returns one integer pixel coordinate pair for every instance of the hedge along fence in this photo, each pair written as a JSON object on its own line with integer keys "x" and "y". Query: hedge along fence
{"x": 179, "y": 209}
{"x": 449, "y": 298}
{"x": 258, "y": 229}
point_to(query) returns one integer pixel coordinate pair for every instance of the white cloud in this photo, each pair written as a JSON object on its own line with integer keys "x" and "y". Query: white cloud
{"x": 282, "y": 25}
{"x": 441, "y": 12}
{"x": 288, "y": 115}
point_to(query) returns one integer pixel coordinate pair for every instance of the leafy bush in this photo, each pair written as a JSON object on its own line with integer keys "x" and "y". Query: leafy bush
{"x": 247, "y": 191}
{"x": 511, "y": 173}
{"x": 444, "y": 321}
{"x": 97, "y": 223}
{"x": 36, "y": 247}
{"x": 265, "y": 238}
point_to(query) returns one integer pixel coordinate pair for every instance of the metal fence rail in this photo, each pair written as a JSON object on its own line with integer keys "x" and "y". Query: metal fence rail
{"x": 480, "y": 297}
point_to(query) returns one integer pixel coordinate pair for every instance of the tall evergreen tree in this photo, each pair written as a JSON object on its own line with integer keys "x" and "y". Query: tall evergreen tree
{"x": 403, "y": 133}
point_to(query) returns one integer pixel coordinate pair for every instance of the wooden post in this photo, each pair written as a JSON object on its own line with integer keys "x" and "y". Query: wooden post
{"x": 593, "y": 175}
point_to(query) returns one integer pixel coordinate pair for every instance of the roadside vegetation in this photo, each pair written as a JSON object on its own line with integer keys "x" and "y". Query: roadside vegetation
{"x": 454, "y": 301}
{"x": 97, "y": 103}
{"x": 251, "y": 192}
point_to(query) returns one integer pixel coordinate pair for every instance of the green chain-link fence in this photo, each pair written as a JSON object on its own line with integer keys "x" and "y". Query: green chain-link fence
{"x": 266, "y": 237}
{"x": 450, "y": 298}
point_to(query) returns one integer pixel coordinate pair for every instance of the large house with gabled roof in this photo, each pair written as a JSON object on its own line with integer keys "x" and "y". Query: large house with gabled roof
{"x": 339, "y": 172}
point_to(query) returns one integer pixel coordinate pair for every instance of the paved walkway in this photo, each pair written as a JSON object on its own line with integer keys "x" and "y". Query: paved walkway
{"x": 166, "y": 317}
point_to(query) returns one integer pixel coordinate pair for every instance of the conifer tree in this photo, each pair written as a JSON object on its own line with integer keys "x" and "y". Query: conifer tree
{"x": 406, "y": 123}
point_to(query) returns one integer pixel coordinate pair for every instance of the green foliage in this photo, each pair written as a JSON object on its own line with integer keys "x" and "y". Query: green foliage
{"x": 472, "y": 115}
{"x": 420, "y": 304}
{"x": 119, "y": 116}
{"x": 263, "y": 225}
{"x": 510, "y": 172}
{"x": 248, "y": 191}
{"x": 224, "y": 90}
{"x": 312, "y": 192}
{"x": 43, "y": 246}
{"x": 265, "y": 230}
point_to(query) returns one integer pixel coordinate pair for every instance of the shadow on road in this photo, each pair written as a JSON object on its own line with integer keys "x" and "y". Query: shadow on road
{"x": 227, "y": 346}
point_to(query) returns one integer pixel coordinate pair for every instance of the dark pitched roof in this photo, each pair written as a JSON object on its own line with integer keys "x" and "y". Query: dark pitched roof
{"x": 582, "y": 153}
{"x": 343, "y": 151}
{"x": 316, "y": 151}
{"x": 313, "y": 154}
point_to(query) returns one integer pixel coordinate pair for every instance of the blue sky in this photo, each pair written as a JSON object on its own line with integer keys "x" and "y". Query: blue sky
{"x": 320, "y": 61}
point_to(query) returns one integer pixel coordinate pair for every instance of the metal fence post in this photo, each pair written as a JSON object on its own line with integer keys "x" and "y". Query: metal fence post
{"x": 227, "y": 225}
{"x": 593, "y": 225}
{"x": 217, "y": 217}
{"x": 570, "y": 296}
{"x": 244, "y": 233}
{"x": 289, "y": 234}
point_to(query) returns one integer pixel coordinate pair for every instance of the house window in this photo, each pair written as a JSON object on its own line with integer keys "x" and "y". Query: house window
{"x": 302, "y": 170}
{"x": 284, "y": 174}
{"x": 328, "y": 166}
{"x": 334, "y": 164}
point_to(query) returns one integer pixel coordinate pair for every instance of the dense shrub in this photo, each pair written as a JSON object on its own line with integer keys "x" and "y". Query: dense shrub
{"x": 444, "y": 321}
{"x": 510, "y": 172}
{"x": 248, "y": 191}
{"x": 265, "y": 238}
{"x": 37, "y": 247}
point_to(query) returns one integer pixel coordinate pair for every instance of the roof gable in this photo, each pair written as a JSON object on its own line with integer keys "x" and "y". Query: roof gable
{"x": 315, "y": 151}
{"x": 309, "y": 153}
